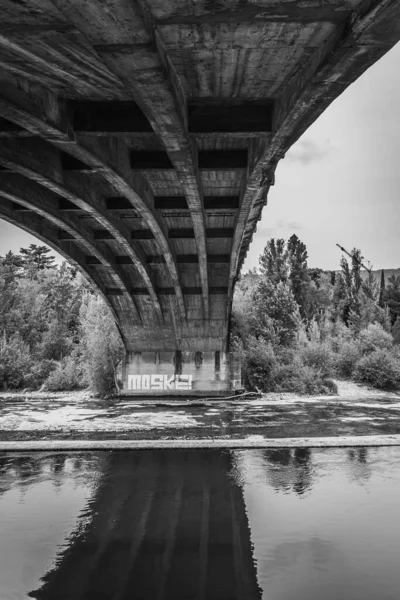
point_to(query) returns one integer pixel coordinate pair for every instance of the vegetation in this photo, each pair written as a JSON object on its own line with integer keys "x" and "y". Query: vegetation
{"x": 297, "y": 327}
{"x": 55, "y": 332}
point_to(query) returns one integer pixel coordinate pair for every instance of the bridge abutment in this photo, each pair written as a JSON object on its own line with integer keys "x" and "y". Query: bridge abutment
{"x": 181, "y": 373}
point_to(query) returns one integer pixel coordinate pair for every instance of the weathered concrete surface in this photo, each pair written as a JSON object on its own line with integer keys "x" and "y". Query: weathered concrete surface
{"x": 140, "y": 139}
{"x": 249, "y": 442}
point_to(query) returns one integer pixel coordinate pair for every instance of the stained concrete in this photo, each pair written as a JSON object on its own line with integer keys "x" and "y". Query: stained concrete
{"x": 249, "y": 442}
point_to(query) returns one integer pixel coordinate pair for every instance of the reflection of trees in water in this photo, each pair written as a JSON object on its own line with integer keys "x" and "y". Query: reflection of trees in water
{"x": 24, "y": 470}
{"x": 289, "y": 469}
{"x": 160, "y": 525}
{"x": 313, "y": 553}
{"x": 360, "y": 469}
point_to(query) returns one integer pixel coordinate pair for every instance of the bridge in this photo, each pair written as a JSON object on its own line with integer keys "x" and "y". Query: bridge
{"x": 159, "y": 525}
{"x": 139, "y": 139}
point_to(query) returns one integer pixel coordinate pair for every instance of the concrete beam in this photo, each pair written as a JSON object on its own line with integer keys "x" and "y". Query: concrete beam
{"x": 38, "y": 161}
{"x": 43, "y": 202}
{"x": 47, "y": 116}
{"x": 48, "y": 234}
{"x": 237, "y": 12}
{"x": 353, "y": 46}
{"x": 149, "y": 78}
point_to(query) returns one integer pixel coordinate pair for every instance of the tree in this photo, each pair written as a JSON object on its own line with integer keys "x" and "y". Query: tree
{"x": 243, "y": 305}
{"x": 275, "y": 313}
{"x": 102, "y": 347}
{"x": 12, "y": 264}
{"x": 274, "y": 263}
{"x": 36, "y": 258}
{"x": 382, "y": 290}
{"x": 392, "y": 297}
{"x": 286, "y": 262}
{"x": 298, "y": 271}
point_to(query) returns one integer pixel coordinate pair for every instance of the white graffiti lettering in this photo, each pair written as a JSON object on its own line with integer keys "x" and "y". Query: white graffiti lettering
{"x": 159, "y": 382}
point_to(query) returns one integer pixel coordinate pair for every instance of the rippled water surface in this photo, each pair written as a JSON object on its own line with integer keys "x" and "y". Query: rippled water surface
{"x": 283, "y": 524}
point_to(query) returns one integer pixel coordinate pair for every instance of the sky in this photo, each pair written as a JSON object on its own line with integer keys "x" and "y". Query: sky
{"x": 340, "y": 183}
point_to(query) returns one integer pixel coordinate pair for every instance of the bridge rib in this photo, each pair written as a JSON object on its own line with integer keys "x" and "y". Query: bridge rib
{"x": 149, "y": 78}
{"x": 336, "y": 67}
{"x": 43, "y": 231}
{"x": 44, "y": 203}
{"x": 20, "y": 158}
{"x": 48, "y": 118}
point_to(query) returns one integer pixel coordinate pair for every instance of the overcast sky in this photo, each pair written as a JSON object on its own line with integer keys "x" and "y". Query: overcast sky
{"x": 340, "y": 183}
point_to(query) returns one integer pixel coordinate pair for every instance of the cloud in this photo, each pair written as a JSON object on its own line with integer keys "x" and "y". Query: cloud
{"x": 281, "y": 227}
{"x": 307, "y": 151}
{"x": 283, "y": 224}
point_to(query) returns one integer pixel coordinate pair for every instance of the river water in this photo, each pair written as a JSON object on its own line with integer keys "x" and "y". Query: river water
{"x": 248, "y": 524}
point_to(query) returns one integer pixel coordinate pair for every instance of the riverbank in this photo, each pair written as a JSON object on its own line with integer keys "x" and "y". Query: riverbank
{"x": 357, "y": 411}
{"x": 346, "y": 389}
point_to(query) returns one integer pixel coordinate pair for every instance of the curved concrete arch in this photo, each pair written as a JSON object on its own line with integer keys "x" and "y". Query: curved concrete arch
{"x": 34, "y": 227}
{"x": 76, "y": 229}
{"x": 19, "y": 159}
{"x": 47, "y": 117}
{"x": 346, "y": 53}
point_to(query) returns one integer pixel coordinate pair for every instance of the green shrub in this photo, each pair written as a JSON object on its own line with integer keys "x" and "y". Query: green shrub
{"x": 330, "y": 385}
{"x": 297, "y": 378}
{"x": 346, "y": 357}
{"x": 15, "y": 362}
{"x": 380, "y": 369}
{"x": 317, "y": 355}
{"x": 374, "y": 337}
{"x": 67, "y": 376}
{"x": 39, "y": 372}
{"x": 259, "y": 362}
{"x": 102, "y": 348}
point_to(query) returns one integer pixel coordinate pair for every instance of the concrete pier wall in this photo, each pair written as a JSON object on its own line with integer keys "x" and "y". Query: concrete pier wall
{"x": 180, "y": 373}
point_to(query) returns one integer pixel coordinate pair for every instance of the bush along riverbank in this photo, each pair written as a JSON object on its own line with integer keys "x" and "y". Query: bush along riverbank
{"x": 296, "y": 327}
{"x": 56, "y": 333}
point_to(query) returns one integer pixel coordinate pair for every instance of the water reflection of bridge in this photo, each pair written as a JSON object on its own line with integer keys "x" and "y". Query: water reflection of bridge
{"x": 161, "y": 525}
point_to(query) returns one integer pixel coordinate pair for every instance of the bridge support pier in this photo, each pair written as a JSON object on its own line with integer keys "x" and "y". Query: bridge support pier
{"x": 181, "y": 373}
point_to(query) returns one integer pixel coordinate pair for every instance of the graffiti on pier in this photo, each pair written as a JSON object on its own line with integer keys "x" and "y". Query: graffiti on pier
{"x": 159, "y": 382}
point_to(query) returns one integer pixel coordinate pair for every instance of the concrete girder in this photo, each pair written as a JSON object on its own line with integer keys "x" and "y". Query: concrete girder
{"x": 149, "y": 78}
{"x": 44, "y": 167}
{"x": 44, "y": 203}
{"x": 346, "y": 54}
{"x": 44, "y": 231}
{"x": 47, "y": 116}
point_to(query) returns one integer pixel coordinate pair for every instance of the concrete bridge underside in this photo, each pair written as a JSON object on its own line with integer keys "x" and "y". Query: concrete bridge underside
{"x": 139, "y": 139}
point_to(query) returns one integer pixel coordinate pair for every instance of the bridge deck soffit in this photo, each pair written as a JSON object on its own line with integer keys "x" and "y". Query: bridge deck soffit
{"x": 174, "y": 114}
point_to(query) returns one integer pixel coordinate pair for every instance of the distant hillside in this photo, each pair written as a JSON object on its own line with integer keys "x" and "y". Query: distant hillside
{"x": 377, "y": 273}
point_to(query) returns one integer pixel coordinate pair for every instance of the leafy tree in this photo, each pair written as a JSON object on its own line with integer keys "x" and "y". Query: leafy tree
{"x": 392, "y": 297}
{"x": 286, "y": 262}
{"x": 12, "y": 264}
{"x": 382, "y": 290}
{"x": 274, "y": 263}
{"x": 275, "y": 312}
{"x": 340, "y": 300}
{"x": 102, "y": 345}
{"x": 243, "y": 306}
{"x": 298, "y": 271}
